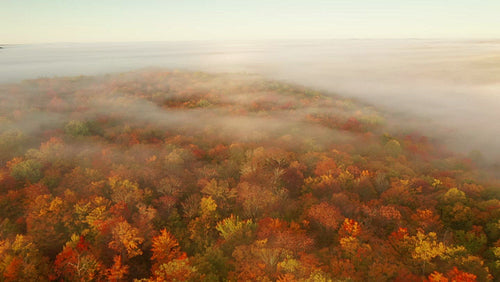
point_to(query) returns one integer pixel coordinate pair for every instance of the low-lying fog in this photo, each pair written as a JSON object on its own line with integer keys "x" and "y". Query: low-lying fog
{"x": 447, "y": 89}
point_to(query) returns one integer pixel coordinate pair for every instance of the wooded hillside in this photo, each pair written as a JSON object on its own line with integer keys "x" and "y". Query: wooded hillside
{"x": 173, "y": 176}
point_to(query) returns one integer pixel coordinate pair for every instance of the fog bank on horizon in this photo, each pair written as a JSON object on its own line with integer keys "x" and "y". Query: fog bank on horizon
{"x": 447, "y": 89}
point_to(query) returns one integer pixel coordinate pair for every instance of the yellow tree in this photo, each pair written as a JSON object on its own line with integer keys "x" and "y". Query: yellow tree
{"x": 126, "y": 240}
{"x": 46, "y": 222}
{"x": 202, "y": 228}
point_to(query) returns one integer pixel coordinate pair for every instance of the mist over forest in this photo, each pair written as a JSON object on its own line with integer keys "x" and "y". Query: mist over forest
{"x": 447, "y": 89}
{"x": 318, "y": 160}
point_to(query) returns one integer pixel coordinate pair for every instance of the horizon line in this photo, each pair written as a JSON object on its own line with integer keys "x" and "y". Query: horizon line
{"x": 257, "y": 39}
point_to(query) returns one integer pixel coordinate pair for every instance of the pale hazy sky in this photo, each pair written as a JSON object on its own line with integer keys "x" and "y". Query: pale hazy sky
{"x": 35, "y": 21}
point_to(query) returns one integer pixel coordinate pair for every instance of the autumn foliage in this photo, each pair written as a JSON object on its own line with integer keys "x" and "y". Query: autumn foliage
{"x": 177, "y": 176}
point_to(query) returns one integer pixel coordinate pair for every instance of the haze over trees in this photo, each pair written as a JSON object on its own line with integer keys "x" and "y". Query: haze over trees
{"x": 172, "y": 176}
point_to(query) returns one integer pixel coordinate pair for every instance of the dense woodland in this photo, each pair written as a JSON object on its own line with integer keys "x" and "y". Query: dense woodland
{"x": 171, "y": 176}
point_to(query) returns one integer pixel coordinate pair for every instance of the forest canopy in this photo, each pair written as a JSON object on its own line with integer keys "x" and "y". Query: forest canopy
{"x": 163, "y": 175}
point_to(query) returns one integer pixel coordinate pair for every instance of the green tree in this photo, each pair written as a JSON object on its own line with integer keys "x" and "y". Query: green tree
{"x": 77, "y": 128}
{"x": 28, "y": 170}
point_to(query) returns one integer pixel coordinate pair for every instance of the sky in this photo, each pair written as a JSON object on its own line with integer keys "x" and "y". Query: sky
{"x": 42, "y": 21}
